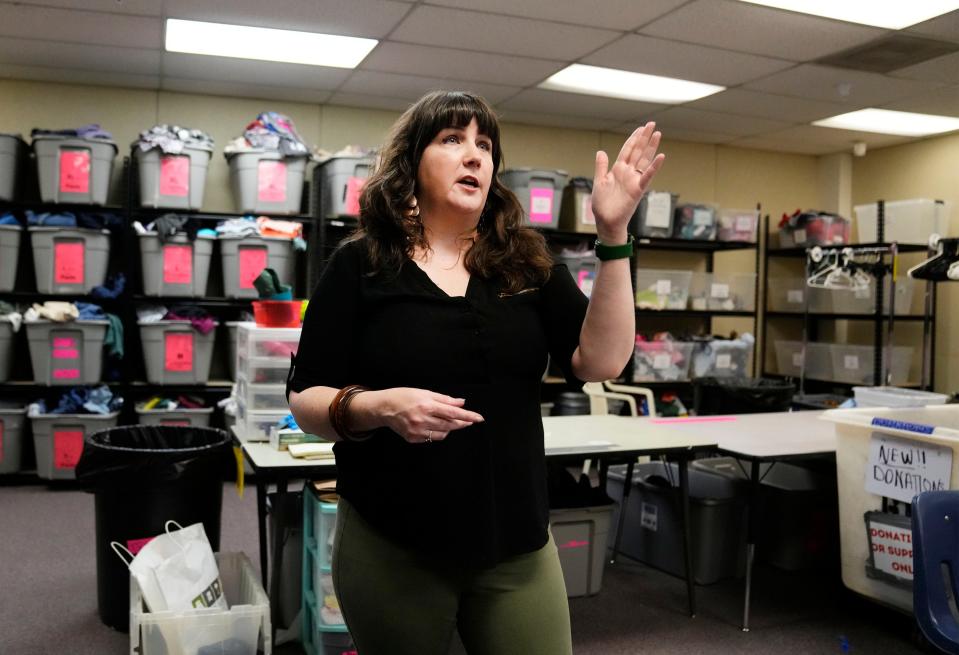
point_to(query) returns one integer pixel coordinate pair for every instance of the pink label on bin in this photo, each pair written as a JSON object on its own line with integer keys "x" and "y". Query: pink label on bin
{"x": 271, "y": 181}
{"x": 177, "y": 264}
{"x": 66, "y": 353}
{"x": 252, "y": 263}
{"x": 136, "y": 545}
{"x": 176, "y": 422}
{"x": 178, "y": 352}
{"x": 68, "y": 262}
{"x": 175, "y": 175}
{"x": 67, "y": 446}
{"x": 540, "y": 205}
{"x": 64, "y": 342}
{"x": 573, "y": 543}
{"x": 66, "y": 374}
{"x": 74, "y": 171}
{"x": 353, "y": 188}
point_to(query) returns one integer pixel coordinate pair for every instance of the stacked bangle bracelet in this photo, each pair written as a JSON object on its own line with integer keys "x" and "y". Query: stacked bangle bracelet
{"x": 339, "y": 417}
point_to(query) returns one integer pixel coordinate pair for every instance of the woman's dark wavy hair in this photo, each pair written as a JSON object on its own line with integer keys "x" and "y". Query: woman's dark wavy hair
{"x": 503, "y": 248}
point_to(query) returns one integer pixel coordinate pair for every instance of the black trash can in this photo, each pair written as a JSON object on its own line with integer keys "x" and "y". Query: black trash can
{"x": 747, "y": 396}
{"x": 143, "y": 476}
{"x": 570, "y": 403}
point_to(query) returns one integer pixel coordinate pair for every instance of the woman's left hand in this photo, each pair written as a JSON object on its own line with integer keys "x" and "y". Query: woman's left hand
{"x": 617, "y": 190}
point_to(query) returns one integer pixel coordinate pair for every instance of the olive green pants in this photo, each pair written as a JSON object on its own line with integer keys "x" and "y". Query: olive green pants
{"x": 395, "y": 601}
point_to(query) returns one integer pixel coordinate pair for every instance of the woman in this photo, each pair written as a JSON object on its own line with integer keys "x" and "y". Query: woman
{"x": 444, "y": 309}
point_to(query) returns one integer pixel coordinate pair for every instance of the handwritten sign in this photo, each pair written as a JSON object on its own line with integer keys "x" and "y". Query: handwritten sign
{"x": 352, "y": 200}
{"x": 901, "y": 468}
{"x": 890, "y": 546}
{"x": 720, "y": 291}
{"x": 74, "y": 171}
{"x": 177, "y": 264}
{"x": 67, "y": 446}
{"x": 659, "y": 210}
{"x": 271, "y": 181}
{"x": 178, "y": 352}
{"x": 252, "y": 262}
{"x": 175, "y": 176}
{"x": 68, "y": 262}
{"x": 540, "y": 205}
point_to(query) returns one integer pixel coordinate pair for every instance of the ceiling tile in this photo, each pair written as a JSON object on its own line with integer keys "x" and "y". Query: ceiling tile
{"x": 555, "y": 120}
{"x": 759, "y": 30}
{"x": 832, "y": 140}
{"x": 97, "y": 78}
{"x": 645, "y": 54}
{"x": 139, "y": 7}
{"x": 458, "y": 64}
{"x": 767, "y": 105}
{"x": 250, "y": 89}
{"x": 613, "y": 14}
{"x": 412, "y": 87}
{"x": 941, "y": 69}
{"x": 227, "y": 69}
{"x": 369, "y": 18}
{"x": 69, "y": 26}
{"x": 473, "y": 30}
{"x": 943, "y": 101}
{"x": 28, "y": 52}
{"x": 369, "y": 102}
{"x": 944, "y": 27}
{"x": 854, "y": 89}
{"x": 683, "y": 118}
{"x": 575, "y": 104}
{"x": 783, "y": 145}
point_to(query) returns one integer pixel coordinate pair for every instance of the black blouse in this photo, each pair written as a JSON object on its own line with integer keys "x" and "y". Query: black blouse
{"x": 479, "y": 496}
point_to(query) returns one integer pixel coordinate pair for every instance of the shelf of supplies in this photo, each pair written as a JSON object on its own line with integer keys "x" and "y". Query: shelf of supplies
{"x": 649, "y": 243}
{"x": 801, "y": 251}
{"x": 53, "y": 207}
{"x": 692, "y": 313}
{"x": 36, "y": 296}
{"x": 198, "y": 300}
{"x": 837, "y": 383}
{"x": 845, "y": 317}
{"x": 215, "y": 216}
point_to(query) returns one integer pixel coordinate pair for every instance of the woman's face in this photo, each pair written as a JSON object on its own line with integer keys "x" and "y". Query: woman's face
{"x": 455, "y": 171}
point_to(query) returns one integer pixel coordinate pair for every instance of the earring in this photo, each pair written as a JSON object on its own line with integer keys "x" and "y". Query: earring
{"x": 412, "y": 210}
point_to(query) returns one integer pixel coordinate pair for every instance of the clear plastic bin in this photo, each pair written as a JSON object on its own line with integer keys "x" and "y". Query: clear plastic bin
{"x": 723, "y": 292}
{"x": 174, "y": 181}
{"x": 662, "y": 361}
{"x": 256, "y": 425}
{"x": 9, "y": 255}
{"x": 695, "y": 222}
{"x": 175, "y": 353}
{"x": 69, "y": 260}
{"x": 231, "y": 327}
{"x": 906, "y": 221}
{"x": 68, "y": 353}
{"x": 262, "y": 370}
{"x": 539, "y": 192}
{"x": 581, "y": 536}
{"x": 654, "y": 215}
{"x": 6, "y": 349}
{"x": 244, "y": 258}
{"x": 11, "y": 155}
{"x": 738, "y": 225}
{"x": 722, "y": 358}
{"x": 788, "y": 294}
{"x": 819, "y": 230}
{"x": 341, "y": 179}
{"x": 896, "y": 397}
{"x": 662, "y": 289}
{"x": 177, "y": 268}
{"x": 855, "y": 364}
{"x": 183, "y": 417}
{"x": 244, "y": 629}
{"x": 58, "y": 440}
{"x": 74, "y": 169}
{"x": 789, "y": 359}
{"x": 266, "y": 182}
{"x": 576, "y": 210}
{"x": 12, "y": 418}
{"x": 261, "y": 396}
{"x": 256, "y": 342}
{"x": 863, "y": 301}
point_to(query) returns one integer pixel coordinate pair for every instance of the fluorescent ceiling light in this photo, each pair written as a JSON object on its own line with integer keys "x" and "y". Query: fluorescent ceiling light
{"x": 883, "y": 121}
{"x": 266, "y": 44}
{"x": 613, "y": 83}
{"x": 891, "y": 14}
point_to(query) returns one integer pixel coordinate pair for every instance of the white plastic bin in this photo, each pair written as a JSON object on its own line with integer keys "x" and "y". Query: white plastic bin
{"x": 723, "y": 292}
{"x": 244, "y": 258}
{"x": 12, "y": 418}
{"x": 9, "y": 255}
{"x": 262, "y": 396}
{"x": 58, "y": 440}
{"x": 245, "y": 627}
{"x": 539, "y": 192}
{"x": 177, "y": 268}
{"x": 262, "y": 370}
{"x": 576, "y": 210}
{"x": 175, "y": 353}
{"x": 863, "y": 301}
{"x": 722, "y": 358}
{"x": 789, "y": 359}
{"x": 174, "y": 181}
{"x": 654, "y": 215}
{"x": 860, "y": 432}
{"x": 662, "y": 361}
{"x": 906, "y": 221}
{"x": 264, "y": 342}
{"x": 341, "y": 180}
{"x": 788, "y": 294}
{"x": 74, "y": 169}
{"x": 581, "y": 536}
{"x": 896, "y": 397}
{"x": 183, "y": 417}
{"x": 255, "y": 425}
{"x": 6, "y": 349}
{"x": 662, "y": 289}
{"x": 11, "y": 155}
{"x": 69, "y": 353}
{"x": 231, "y": 327}
{"x": 738, "y": 225}
{"x": 69, "y": 260}
{"x": 854, "y": 364}
{"x": 266, "y": 182}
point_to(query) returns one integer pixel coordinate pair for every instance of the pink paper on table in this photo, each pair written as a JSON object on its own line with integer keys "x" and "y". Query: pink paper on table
{"x": 541, "y": 205}
{"x": 177, "y": 264}
{"x": 67, "y": 446}
{"x": 175, "y": 175}
{"x": 74, "y": 171}
{"x": 178, "y": 351}
{"x": 695, "y": 419}
{"x": 353, "y": 188}
{"x": 252, "y": 262}
{"x": 136, "y": 545}
{"x": 68, "y": 262}
{"x": 271, "y": 181}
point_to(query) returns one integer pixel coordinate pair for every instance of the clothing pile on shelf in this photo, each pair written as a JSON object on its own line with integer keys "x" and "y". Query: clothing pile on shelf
{"x": 9, "y": 219}
{"x": 62, "y": 312}
{"x": 270, "y": 131}
{"x": 320, "y": 155}
{"x": 89, "y": 220}
{"x": 80, "y": 400}
{"x": 168, "y": 226}
{"x": 180, "y": 402}
{"x": 264, "y": 227}
{"x": 10, "y": 314}
{"x": 171, "y": 139}
{"x": 199, "y": 318}
{"x": 91, "y": 131}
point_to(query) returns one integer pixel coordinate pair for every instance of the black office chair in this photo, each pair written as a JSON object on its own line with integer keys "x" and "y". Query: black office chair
{"x": 935, "y": 550}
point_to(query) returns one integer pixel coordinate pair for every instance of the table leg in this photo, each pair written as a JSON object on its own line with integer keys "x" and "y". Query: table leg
{"x": 752, "y": 524}
{"x": 276, "y": 564}
{"x": 687, "y": 533}
{"x": 261, "y": 525}
{"x": 627, "y": 486}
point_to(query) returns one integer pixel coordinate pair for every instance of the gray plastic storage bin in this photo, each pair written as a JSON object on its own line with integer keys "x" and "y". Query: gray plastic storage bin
{"x": 576, "y": 211}
{"x": 184, "y": 417}
{"x": 69, "y": 260}
{"x": 11, "y": 153}
{"x": 539, "y": 192}
{"x": 74, "y": 169}
{"x": 11, "y": 436}
{"x": 581, "y": 536}
{"x": 582, "y": 266}
{"x": 66, "y": 353}
{"x": 179, "y": 267}
{"x": 6, "y": 349}
{"x": 58, "y": 441}
{"x": 341, "y": 179}
{"x": 654, "y": 215}
{"x": 174, "y": 181}
{"x": 653, "y": 532}
{"x": 244, "y": 258}
{"x": 266, "y": 182}
{"x": 175, "y": 353}
{"x": 9, "y": 255}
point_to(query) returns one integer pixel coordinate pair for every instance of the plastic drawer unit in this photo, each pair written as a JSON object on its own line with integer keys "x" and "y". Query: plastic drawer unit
{"x": 341, "y": 180}
{"x": 68, "y": 353}
{"x": 177, "y": 267}
{"x": 266, "y": 182}
{"x": 69, "y": 260}
{"x": 175, "y": 353}
{"x": 73, "y": 169}
{"x": 176, "y": 181}
{"x": 539, "y": 192}
{"x": 244, "y": 258}
{"x": 58, "y": 440}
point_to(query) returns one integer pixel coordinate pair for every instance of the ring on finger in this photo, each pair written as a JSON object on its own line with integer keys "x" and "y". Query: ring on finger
{"x": 429, "y": 437}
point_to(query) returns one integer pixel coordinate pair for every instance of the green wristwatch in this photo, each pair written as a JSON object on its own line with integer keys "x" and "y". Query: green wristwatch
{"x": 605, "y": 252}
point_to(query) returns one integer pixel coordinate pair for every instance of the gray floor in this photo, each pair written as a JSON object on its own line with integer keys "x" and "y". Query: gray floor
{"x": 48, "y": 595}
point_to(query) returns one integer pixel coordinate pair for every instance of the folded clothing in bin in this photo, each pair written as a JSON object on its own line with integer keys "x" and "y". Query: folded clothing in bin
{"x": 270, "y": 131}
{"x": 81, "y": 400}
{"x": 62, "y": 312}
{"x": 199, "y": 318}
{"x": 172, "y": 139}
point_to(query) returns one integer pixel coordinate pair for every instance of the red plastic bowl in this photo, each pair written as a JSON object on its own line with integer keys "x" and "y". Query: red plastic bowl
{"x": 277, "y": 313}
